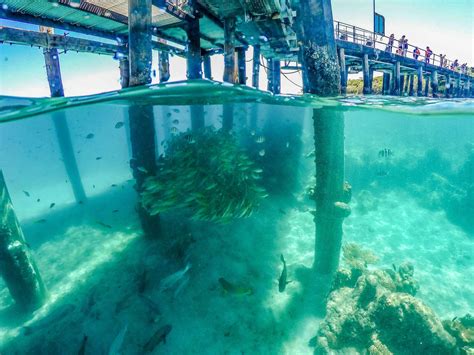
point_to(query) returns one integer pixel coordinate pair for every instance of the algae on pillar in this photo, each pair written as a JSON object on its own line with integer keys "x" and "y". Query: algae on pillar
{"x": 322, "y": 77}
{"x": 17, "y": 266}
{"x": 141, "y": 117}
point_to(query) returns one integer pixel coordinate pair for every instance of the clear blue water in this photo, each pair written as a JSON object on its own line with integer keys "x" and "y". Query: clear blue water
{"x": 414, "y": 203}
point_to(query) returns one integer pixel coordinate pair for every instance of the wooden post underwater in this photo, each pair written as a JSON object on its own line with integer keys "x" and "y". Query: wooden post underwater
{"x": 434, "y": 83}
{"x": 343, "y": 68}
{"x": 242, "y": 70}
{"x": 164, "y": 66}
{"x": 63, "y": 135}
{"x": 397, "y": 80}
{"x": 366, "y": 74}
{"x": 411, "y": 90}
{"x": 256, "y": 66}
{"x": 229, "y": 50}
{"x": 207, "y": 66}
{"x": 322, "y": 77}
{"x": 193, "y": 53}
{"x": 419, "y": 76}
{"x": 141, "y": 117}
{"x": 427, "y": 85}
{"x": 17, "y": 266}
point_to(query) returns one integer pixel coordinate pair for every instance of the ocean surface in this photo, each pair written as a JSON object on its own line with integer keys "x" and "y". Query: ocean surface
{"x": 232, "y": 190}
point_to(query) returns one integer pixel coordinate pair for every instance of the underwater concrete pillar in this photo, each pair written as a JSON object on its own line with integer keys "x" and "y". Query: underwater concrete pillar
{"x": 193, "y": 53}
{"x": 63, "y": 135}
{"x": 457, "y": 88}
{"x": 141, "y": 117}
{"x": 229, "y": 50}
{"x": 402, "y": 85}
{"x": 124, "y": 67}
{"x": 366, "y": 75}
{"x": 276, "y": 76}
{"x": 164, "y": 66}
{"x": 242, "y": 70}
{"x": 427, "y": 85}
{"x": 411, "y": 90}
{"x": 397, "y": 79}
{"x": 371, "y": 79}
{"x": 434, "y": 83}
{"x": 256, "y": 66}
{"x": 322, "y": 77}
{"x": 343, "y": 69}
{"x": 419, "y": 85}
{"x": 207, "y": 66}
{"x": 17, "y": 266}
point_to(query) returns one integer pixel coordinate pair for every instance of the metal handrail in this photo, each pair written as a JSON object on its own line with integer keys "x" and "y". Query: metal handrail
{"x": 358, "y": 35}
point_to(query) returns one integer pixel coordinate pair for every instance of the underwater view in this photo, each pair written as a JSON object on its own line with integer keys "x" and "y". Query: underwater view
{"x": 205, "y": 243}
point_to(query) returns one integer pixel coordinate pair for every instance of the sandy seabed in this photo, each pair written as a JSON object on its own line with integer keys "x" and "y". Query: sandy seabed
{"x": 97, "y": 274}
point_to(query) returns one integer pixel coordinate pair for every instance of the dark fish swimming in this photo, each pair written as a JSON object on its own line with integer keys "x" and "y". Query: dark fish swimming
{"x": 98, "y": 158}
{"x": 82, "y": 349}
{"x": 385, "y": 153}
{"x": 157, "y": 338}
{"x": 381, "y": 173}
{"x": 52, "y": 205}
{"x": 119, "y": 125}
{"x": 53, "y": 317}
{"x": 90, "y": 136}
{"x": 26, "y": 193}
{"x": 282, "y": 281}
{"x": 104, "y": 224}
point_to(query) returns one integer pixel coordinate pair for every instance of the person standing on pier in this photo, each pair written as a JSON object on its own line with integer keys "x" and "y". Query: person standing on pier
{"x": 428, "y": 53}
{"x": 391, "y": 39}
{"x": 401, "y": 41}
{"x": 416, "y": 53}
{"x": 405, "y": 47}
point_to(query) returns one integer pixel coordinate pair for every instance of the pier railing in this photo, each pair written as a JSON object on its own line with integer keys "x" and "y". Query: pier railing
{"x": 354, "y": 34}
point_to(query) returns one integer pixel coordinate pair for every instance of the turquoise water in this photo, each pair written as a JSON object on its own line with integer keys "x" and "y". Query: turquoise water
{"x": 230, "y": 202}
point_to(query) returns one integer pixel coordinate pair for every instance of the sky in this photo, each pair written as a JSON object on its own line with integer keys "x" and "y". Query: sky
{"x": 447, "y": 26}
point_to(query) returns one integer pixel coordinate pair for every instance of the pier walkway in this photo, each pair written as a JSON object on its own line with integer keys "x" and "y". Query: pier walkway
{"x": 228, "y": 27}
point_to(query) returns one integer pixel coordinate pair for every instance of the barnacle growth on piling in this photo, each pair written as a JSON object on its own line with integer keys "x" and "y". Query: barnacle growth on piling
{"x": 207, "y": 173}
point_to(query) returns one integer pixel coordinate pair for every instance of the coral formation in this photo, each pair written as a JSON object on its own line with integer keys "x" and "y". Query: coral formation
{"x": 462, "y": 329}
{"x": 207, "y": 173}
{"x": 375, "y": 312}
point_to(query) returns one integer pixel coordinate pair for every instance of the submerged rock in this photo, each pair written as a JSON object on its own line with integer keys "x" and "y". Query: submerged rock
{"x": 375, "y": 312}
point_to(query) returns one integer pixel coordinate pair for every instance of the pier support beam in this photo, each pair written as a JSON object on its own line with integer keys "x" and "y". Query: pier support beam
{"x": 124, "y": 66}
{"x": 164, "y": 66}
{"x": 256, "y": 66}
{"x": 427, "y": 85}
{"x": 402, "y": 85}
{"x": 366, "y": 74}
{"x": 434, "y": 83}
{"x": 343, "y": 70}
{"x": 386, "y": 84}
{"x": 229, "y": 50}
{"x": 322, "y": 77}
{"x": 397, "y": 79}
{"x": 242, "y": 70}
{"x": 276, "y": 76}
{"x": 193, "y": 54}
{"x": 447, "y": 87}
{"x": 17, "y": 267}
{"x": 141, "y": 117}
{"x": 53, "y": 71}
{"x": 207, "y": 66}
{"x": 419, "y": 85}
{"x": 411, "y": 85}
{"x": 457, "y": 88}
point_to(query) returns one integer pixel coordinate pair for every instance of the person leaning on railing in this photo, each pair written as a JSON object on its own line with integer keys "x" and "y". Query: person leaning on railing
{"x": 428, "y": 53}
{"x": 416, "y": 53}
{"x": 389, "y": 47}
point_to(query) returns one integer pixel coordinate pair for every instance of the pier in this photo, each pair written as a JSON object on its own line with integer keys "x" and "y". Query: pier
{"x": 303, "y": 37}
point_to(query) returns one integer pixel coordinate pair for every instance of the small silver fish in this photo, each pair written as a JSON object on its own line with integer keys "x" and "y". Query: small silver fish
{"x": 282, "y": 282}
{"x": 119, "y": 125}
{"x": 26, "y": 193}
{"x": 118, "y": 341}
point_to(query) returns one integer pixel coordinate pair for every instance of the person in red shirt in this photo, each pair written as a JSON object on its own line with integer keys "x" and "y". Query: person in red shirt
{"x": 428, "y": 53}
